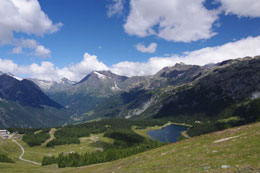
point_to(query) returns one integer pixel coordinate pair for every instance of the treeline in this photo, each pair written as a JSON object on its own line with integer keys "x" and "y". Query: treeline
{"x": 22, "y": 130}
{"x": 35, "y": 139}
{"x": 71, "y": 134}
{"x": 63, "y": 141}
{"x": 124, "y": 137}
{"x": 5, "y": 158}
{"x": 115, "y": 153}
{"x": 247, "y": 112}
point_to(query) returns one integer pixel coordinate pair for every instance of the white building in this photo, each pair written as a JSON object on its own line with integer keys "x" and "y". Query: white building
{"x": 4, "y": 134}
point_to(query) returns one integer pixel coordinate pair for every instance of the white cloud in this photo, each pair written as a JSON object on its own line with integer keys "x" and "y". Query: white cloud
{"x": 149, "y": 49}
{"x": 26, "y": 43}
{"x": 245, "y": 47}
{"x": 38, "y": 50}
{"x": 172, "y": 20}
{"x": 17, "y": 50}
{"x": 46, "y": 70}
{"x": 87, "y": 65}
{"x": 242, "y": 8}
{"x": 42, "y": 51}
{"x": 115, "y": 8}
{"x": 8, "y": 66}
{"x": 23, "y": 16}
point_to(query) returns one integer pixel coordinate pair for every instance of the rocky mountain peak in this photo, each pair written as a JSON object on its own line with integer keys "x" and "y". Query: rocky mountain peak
{"x": 103, "y": 76}
{"x": 66, "y": 81}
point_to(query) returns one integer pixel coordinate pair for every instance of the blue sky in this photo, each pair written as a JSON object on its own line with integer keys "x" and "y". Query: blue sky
{"x": 50, "y": 40}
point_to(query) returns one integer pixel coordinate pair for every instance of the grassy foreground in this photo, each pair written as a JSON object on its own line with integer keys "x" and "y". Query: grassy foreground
{"x": 230, "y": 150}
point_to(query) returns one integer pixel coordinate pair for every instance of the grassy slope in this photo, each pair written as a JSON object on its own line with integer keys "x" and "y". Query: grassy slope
{"x": 193, "y": 155}
{"x": 196, "y": 153}
{"x": 37, "y": 153}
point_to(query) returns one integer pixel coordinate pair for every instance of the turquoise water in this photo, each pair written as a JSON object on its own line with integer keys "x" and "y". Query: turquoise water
{"x": 170, "y": 132}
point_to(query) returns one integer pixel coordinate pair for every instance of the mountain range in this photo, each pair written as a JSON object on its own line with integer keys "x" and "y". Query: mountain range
{"x": 174, "y": 92}
{"x": 24, "y": 104}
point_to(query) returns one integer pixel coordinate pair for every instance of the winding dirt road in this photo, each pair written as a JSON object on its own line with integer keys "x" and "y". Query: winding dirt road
{"x": 21, "y": 156}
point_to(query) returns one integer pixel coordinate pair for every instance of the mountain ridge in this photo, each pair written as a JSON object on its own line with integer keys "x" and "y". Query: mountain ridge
{"x": 178, "y": 91}
{"x": 23, "y": 104}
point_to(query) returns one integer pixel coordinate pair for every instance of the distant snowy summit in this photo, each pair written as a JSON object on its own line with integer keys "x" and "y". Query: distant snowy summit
{"x": 52, "y": 86}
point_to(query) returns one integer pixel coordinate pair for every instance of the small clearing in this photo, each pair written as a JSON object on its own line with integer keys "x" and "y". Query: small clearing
{"x": 51, "y": 132}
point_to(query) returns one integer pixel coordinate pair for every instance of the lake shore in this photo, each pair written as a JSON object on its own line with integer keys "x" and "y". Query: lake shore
{"x": 143, "y": 132}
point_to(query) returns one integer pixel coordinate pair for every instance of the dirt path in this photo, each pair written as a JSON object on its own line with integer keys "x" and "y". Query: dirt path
{"x": 226, "y": 139}
{"x": 184, "y": 133}
{"x": 21, "y": 156}
{"x": 51, "y": 132}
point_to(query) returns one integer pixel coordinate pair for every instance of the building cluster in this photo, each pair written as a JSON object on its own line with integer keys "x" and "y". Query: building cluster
{"x": 4, "y": 134}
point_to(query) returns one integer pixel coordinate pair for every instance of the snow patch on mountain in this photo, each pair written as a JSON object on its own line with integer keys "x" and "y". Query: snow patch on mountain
{"x": 115, "y": 88}
{"x": 100, "y": 76}
{"x": 47, "y": 85}
{"x": 44, "y": 84}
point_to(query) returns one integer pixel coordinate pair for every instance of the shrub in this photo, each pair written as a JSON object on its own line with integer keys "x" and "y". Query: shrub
{"x": 4, "y": 158}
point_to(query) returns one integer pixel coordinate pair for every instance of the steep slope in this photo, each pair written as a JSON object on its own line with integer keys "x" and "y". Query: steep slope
{"x": 100, "y": 83}
{"x": 24, "y": 92}
{"x": 93, "y": 91}
{"x": 202, "y": 92}
{"x": 178, "y": 91}
{"x": 228, "y": 84}
{"x": 102, "y": 93}
{"x": 13, "y": 114}
{"x": 23, "y": 104}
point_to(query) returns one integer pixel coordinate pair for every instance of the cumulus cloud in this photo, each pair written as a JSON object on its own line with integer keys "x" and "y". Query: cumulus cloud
{"x": 46, "y": 70}
{"x": 24, "y": 16}
{"x": 149, "y": 49}
{"x": 87, "y": 65}
{"x": 42, "y": 51}
{"x": 242, "y": 8}
{"x": 172, "y": 20}
{"x": 38, "y": 50}
{"x": 8, "y": 66}
{"x": 116, "y": 7}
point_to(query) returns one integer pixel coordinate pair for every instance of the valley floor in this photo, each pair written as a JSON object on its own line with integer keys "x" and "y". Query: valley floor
{"x": 232, "y": 150}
